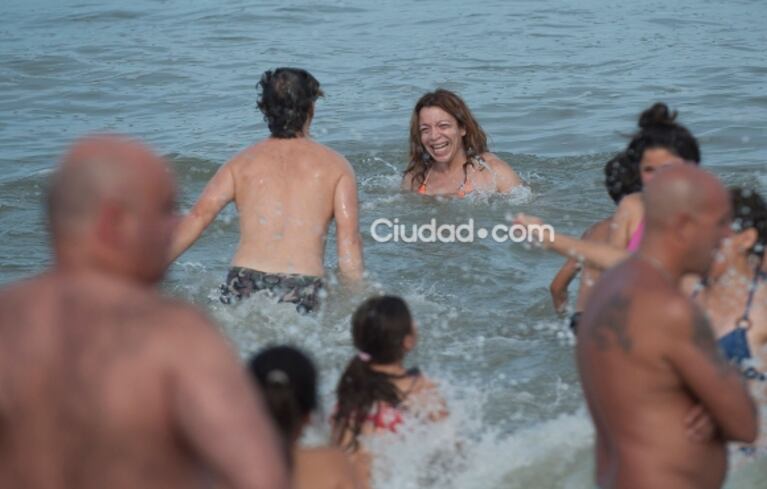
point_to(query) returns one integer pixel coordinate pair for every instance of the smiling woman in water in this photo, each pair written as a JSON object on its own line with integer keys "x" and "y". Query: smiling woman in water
{"x": 448, "y": 151}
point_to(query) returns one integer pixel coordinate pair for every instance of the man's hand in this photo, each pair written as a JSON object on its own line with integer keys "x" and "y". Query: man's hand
{"x": 699, "y": 425}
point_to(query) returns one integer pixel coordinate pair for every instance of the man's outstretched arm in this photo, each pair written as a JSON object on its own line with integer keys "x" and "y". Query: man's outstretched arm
{"x": 216, "y": 195}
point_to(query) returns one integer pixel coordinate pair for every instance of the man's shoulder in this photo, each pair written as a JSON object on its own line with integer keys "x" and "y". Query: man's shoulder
{"x": 329, "y": 155}
{"x": 297, "y": 148}
{"x": 668, "y": 310}
{"x": 23, "y": 287}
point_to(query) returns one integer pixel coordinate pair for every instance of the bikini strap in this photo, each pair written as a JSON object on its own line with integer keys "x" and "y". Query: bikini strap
{"x": 422, "y": 187}
{"x": 415, "y": 374}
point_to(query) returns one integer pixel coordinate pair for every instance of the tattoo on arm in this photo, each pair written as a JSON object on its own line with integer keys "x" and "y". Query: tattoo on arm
{"x": 703, "y": 339}
{"x": 611, "y": 325}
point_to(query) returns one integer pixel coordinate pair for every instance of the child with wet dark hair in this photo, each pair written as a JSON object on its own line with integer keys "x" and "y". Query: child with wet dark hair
{"x": 621, "y": 179}
{"x": 288, "y": 381}
{"x": 376, "y": 393}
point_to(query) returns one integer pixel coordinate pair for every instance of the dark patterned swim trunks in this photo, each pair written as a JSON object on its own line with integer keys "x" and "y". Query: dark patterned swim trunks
{"x": 301, "y": 290}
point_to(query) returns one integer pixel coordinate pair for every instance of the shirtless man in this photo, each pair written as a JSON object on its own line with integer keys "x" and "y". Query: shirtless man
{"x": 647, "y": 356}
{"x": 97, "y": 388}
{"x": 287, "y": 188}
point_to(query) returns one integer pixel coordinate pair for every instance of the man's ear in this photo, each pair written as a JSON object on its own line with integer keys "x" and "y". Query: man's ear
{"x": 108, "y": 223}
{"x": 683, "y": 226}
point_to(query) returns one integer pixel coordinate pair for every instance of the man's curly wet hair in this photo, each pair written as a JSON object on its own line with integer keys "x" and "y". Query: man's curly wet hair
{"x": 287, "y": 100}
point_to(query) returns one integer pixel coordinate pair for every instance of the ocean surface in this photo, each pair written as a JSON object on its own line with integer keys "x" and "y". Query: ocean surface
{"x": 557, "y": 85}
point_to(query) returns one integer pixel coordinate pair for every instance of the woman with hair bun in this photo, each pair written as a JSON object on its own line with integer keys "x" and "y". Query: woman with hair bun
{"x": 660, "y": 141}
{"x": 449, "y": 153}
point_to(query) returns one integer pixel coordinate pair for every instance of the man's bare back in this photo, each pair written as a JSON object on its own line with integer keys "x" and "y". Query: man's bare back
{"x": 103, "y": 387}
{"x": 647, "y": 356}
{"x": 103, "y": 382}
{"x": 286, "y": 192}
{"x": 287, "y": 188}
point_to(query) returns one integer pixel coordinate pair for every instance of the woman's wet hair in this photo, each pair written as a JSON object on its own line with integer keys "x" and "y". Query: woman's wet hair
{"x": 658, "y": 129}
{"x": 288, "y": 380}
{"x": 621, "y": 177}
{"x": 379, "y": 328}
{"x": 750, "y": 211}
{"x": 287, "y": 100}
{"x": 474, "y": 142}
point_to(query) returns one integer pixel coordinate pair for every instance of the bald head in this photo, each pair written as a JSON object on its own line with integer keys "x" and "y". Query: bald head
{"x": 683, "y": 189}
{"x": 687, "y": 214}
{"x": 96, "y": 169}
{"x": 111, "y": 208}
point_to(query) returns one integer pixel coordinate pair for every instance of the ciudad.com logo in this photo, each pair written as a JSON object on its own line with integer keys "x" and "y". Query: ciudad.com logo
{"x": 385, "y": 230}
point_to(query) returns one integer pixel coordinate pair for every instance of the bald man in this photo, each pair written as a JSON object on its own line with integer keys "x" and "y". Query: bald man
{"x": 647, "y": 356}
{"x": 103, "y": 382}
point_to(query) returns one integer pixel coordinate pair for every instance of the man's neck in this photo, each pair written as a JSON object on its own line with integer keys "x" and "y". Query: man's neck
{"x": 663, "y": 257}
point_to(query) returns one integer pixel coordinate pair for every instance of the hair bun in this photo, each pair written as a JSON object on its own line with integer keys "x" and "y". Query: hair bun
{"x": 657, "y": 115}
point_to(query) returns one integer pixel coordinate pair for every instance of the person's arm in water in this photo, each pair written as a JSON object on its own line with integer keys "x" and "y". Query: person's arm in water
{"x": 216, "y": 195}
{"x": 505, "y": 177}
{"x": 597, "y": 255}
{"x": 561, "y": 281}
{"x": 348, "y": 240}
{"x": 218, "y": 411}
{"x": 716, "y": 385}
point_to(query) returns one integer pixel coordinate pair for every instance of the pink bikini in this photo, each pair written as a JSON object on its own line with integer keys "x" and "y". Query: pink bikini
{"x": 636, "y": 237}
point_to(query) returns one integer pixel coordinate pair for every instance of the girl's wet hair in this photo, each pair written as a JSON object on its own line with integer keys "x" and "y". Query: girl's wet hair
{"x": 287, "y": 100}
{"x": 621, "y": 177}
{"x": 474, "y": 142}
{"x": 658, "y": 129}
{"x": 379, "y": 328}
{"x": 750, "y": 211}
{"x": 288, "y": 380}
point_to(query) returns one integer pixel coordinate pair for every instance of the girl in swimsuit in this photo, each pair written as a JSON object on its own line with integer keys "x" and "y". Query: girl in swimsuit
{"x": 288, "y": 381}
{"x": 448, "y": 151}
{"x": 376, "y": 393}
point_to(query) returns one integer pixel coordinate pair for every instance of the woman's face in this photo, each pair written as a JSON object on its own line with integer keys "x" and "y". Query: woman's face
{"x": 653, "y": 159}
{"x": 733, "y": 249}
{"x": 440, "y": 134}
